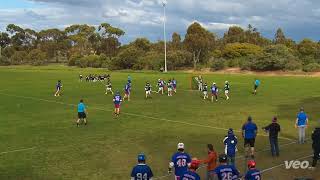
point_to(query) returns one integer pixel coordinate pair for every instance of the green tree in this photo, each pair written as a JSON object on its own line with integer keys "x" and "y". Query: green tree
{"x": 176, "y": 41}
{"x": 199, "y": 42}
{"x": 279, "y": 37}
{"x": 110, "y": 39}
{"x": 237, "y": 50}
{"x": 4, "y": 39}
{"x": 37, "y": 57}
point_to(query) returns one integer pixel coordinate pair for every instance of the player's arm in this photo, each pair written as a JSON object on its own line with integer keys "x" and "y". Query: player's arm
{"x": 171, "y": 164}
{"x": 307, "y": 121}
{"x": 296, "y": 124}
{"x": 242, "y": 131}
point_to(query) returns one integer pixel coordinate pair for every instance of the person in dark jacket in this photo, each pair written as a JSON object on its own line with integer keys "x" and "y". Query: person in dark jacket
{"x": 273, "y": 129}
{"x": 316, "y": 146}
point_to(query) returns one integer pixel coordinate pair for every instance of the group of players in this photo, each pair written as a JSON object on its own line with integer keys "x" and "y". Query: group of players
{"x": 185, "y": 167}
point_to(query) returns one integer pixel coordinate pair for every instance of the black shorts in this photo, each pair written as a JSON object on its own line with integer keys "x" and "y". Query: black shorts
{"x": 82, "y": 115}
{"x": 249, "y": 142}
{"x": 256, "y": 87}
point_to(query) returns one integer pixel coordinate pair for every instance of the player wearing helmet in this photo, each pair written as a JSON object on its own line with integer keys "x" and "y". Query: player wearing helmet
{"x": 117, "y": 99}
{"x": 58, "y": 88}
{"x": 225, "y": 171}
{"x": 205, "y": 91}
{"x": 214, "y": 92}
{"x": 226, "y": 89}
{"x": 191, "y": 174}
{"x": 141, "y": 171}
{"x": 253, "y": 173}
{"x": 147, "y": 88}
{"x": 180, "y": 161}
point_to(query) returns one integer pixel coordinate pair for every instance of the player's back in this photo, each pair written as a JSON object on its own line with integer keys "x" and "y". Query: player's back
{"x": 117, "y": 99}
{"x": 189, "y": 175}
{"x": 141, "y": 172}
{"x": 226, "y": 172}
{"x": 181, "y": 161}
{"x": 249, "y": 129}
{"x": 253, "y": 174}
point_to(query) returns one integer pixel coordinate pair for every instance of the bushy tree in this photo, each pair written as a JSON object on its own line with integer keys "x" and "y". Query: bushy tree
{"x": 37, "y": 57}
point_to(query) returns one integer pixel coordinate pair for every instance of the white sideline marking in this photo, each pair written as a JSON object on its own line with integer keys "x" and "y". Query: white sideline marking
{"x": 279, "y": 165}
{"x": 138, "y": 115}
{"x": 18, "y": 150}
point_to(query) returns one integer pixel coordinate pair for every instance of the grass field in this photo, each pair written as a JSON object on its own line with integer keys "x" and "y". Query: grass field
{"x": 39, "y": 139}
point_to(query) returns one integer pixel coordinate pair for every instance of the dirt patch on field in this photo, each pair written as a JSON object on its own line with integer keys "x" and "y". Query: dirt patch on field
{"x": 264, "y": 73}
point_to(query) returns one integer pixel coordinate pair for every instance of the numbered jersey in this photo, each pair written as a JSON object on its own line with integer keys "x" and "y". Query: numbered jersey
{"x": 227, "y": 87}
{"x": 205, "y": 88}
{"x": 189, "y": 175}
{"x": 181, "y": 161}
{"x": 253, "y": 174}
{"x": 117, "y": 99}
{"x": 226, "y": 172}
{"x": 141, "y": 172}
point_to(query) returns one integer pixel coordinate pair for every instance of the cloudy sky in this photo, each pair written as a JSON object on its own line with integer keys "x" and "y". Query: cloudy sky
{"x": 143, "y": 18}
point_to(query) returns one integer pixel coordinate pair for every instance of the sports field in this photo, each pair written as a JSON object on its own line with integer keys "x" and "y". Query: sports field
{"x": 39, "y": 138}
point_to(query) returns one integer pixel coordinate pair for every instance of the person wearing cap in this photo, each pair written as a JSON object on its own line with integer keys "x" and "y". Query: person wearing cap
{"x": 225, "y": 171}
{"x": 249, "y": 133}
{"x": 226, "y": 89}
{"x": 252, "y": 173}
{"x": 211, "y": 160}
{"x": 180, "y": 161}
{"x": 141, "y": 171}
{"x": 273, "y": 129}
{"x": 301, "y": 124}
{"x": 230, "y": 142}
{"x": 316, "y": 145}
{"x": 191, "y": 174}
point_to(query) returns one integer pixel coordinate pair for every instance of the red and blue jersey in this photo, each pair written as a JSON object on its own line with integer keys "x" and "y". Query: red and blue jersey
{"x": 253, "y": 174}
{"x": 141, "y": 172}
{"x": 117, "y": 99}
{"x": 190, "y": 175}
{"x": 226, "y": 172}
{"x": 180, "y": 161}
{"x": 214, "y": 89}
{"x": 174, "y": 83}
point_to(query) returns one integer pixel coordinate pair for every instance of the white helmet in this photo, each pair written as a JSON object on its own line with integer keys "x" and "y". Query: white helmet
{"x": 214, "y": 83}
{"x": 226, "y": 82}
{"x": 180, "y": 146}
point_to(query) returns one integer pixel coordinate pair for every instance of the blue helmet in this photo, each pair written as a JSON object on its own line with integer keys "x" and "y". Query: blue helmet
{"x": 141, "y": 157}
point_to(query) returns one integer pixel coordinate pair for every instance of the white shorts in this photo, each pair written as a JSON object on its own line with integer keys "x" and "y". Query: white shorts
{"x": 109, "y": 89}
{"x": 148, "y": 92}
{"x": 205, "y": 92}
{"x": 160, "y": 88}
{"x": 169, "y": 89}
{"x": 226, "y": 91}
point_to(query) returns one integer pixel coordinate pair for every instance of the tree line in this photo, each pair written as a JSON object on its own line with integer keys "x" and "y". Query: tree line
{"x": 83, "y": 45}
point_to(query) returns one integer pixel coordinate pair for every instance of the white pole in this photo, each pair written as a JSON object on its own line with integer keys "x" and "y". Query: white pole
{"x": 164, "y": 36}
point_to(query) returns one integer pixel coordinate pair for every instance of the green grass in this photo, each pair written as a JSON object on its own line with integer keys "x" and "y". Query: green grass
{"x": 107, "y": 148}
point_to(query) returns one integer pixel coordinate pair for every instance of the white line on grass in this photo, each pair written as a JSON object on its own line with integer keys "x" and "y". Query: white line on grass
{"x": 279, "y": 165}
{"x": 138, "y": 115}
{"x": 17, "y": 150}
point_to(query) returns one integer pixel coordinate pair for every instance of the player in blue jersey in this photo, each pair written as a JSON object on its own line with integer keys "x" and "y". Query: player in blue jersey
{"x": 129, "y": 79}
{"x": 147, "y": 89}
{"x": 225, "y": 171}
{"x": 58, "y": 88}
{"x": 127, "y": 91}
{"x": 191, "y": 174}
{"x": 230, "y": 142}
{"x": 249, "y": 133}
{"x": 82, "y": 113}
{"x": 214, "y": 92}
{"x": 205, "y": 91}
{"x": 160, "y": 85}
{"x": 180, "y": 162}
{"x": 226, "y": 89}
{"x": 141, "y": 171}
{"x": 256, "y": 85}
{"x": 117, "y": 102}
{"x": 174, "y": 85}
{"x": 252, "y": 173}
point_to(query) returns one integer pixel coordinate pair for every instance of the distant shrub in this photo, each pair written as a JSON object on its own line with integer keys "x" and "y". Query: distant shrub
{"x": 19, "y": 57}
{"x": 4, "y": 61}
{"x": 313, "y": 67}
{"x": 293, "y": 65}
{"x": 37, "y": 57}
{"x": 217, "y": 64}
